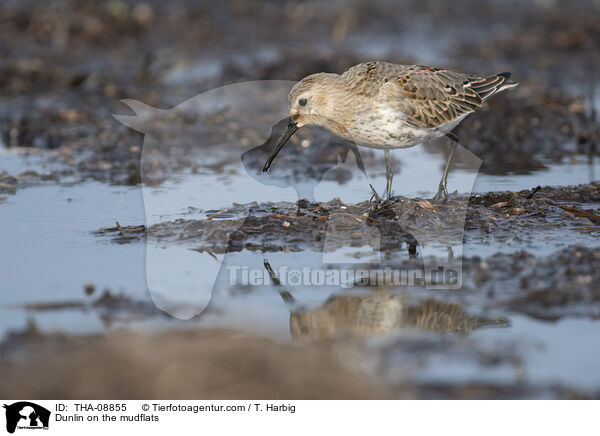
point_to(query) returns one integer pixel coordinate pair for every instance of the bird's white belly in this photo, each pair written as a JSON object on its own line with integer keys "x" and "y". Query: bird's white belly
{"x": 387, "y": 128}
{"x": 391, "y": 133}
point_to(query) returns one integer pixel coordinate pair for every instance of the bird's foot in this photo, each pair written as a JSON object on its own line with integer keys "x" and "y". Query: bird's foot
{"x": 375, "y": 194}
{"x": 387, "y": 194}
{"x": 442, "y": 194}
{"x": 378, "y": 202}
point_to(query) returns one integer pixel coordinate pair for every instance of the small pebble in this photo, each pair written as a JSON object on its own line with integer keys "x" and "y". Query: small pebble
{"x": 89, "y": 288}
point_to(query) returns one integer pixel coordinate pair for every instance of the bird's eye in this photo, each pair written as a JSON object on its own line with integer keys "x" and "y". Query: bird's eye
{"x": 302, "y": 102}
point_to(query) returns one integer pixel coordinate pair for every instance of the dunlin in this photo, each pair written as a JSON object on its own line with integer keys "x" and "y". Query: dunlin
{"x": 385, "y": 106}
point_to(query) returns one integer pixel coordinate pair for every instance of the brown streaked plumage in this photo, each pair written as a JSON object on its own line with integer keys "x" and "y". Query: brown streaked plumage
{"x": 382, "y": 105}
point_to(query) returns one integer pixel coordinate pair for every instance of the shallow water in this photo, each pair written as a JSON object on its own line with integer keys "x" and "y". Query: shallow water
{"x": 49, "y": 252}
{"x": 551, "y": 353}
{"x": 55, "y": 221}
{"x": 15, "y": 161}
{"x": 417, "y": 174}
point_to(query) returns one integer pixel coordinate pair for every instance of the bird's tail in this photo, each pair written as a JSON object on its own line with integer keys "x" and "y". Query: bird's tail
{"x": 491, "y": 85}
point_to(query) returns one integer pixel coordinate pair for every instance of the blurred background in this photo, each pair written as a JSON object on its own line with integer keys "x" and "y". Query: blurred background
{"x": 79, "y": 57}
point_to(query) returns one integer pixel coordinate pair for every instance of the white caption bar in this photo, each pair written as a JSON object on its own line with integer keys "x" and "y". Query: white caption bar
{"x": 285, "y": 418}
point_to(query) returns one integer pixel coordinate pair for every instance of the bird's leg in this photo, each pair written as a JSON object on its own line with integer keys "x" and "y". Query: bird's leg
{"x": 375, "y": 194}
{"x": 443, "y": 188}
{"x": 389, "y": 175}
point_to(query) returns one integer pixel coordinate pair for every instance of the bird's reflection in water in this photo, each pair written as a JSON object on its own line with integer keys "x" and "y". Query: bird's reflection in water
{"x": 378, "y": 313}
{"x": 449, "y": 317}
{"x": 381, "y": 313}
{"x": 375, "y": 314}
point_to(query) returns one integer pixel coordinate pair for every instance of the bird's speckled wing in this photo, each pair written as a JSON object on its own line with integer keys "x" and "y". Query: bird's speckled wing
{"x": 430, "y": 97}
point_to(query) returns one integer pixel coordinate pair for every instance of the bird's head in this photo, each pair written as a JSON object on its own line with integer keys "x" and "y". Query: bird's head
{"x": 314, "y": 101}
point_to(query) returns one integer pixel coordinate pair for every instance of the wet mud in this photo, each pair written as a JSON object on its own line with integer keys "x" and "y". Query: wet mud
{"x": 109, "y": 307}
{"x": 562, "y": 283}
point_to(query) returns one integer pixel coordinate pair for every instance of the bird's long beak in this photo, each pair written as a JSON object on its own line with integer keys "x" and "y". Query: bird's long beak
{"x": 285, "y": 136}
